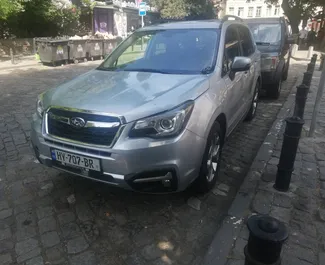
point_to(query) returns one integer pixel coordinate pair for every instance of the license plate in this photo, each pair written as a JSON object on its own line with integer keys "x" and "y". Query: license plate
{"x": 76, "y": 160}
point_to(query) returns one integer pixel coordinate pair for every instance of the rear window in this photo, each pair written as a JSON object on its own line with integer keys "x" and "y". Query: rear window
{"x": 266, "y": 33}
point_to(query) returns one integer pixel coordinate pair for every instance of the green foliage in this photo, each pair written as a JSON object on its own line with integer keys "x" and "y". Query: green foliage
{"x": 297, "y": 10}
{"x": 184, "y": 8}
{"x": 8, "y": 7}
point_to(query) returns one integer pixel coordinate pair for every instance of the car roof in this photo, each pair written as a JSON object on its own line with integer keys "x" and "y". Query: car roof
{"x": 196, "y": 24}
{"x": 264, "y": 19}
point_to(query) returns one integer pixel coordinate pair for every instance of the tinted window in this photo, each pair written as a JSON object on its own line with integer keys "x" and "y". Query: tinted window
{"x": 183, "y": 51}
{"x": 246, "y": 41}
{"x": 266, "y": 33}
{"x": 232, "y": 48}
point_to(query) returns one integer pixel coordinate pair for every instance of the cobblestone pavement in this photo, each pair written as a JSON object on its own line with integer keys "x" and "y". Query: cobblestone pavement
{"x": 302, "y": 208}
{"x": 48, "y": 217}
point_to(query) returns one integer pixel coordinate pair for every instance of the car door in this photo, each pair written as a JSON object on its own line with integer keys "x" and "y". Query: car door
{"x": 248, "y": 50}
{"x": 234, "y": 81}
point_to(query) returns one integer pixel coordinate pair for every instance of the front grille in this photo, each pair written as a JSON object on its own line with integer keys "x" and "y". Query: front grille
{"x": 88, "y": 135}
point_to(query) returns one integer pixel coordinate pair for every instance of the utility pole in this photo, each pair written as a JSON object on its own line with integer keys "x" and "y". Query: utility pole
{"x": 317, "y": 103}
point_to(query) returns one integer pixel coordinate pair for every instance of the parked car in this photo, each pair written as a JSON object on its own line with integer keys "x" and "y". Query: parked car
{"x": 154, "y": 116}
{"x": 273, "y": 40}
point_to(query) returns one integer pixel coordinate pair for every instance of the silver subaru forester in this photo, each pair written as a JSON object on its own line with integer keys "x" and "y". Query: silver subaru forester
{"x": 154, "y": 116}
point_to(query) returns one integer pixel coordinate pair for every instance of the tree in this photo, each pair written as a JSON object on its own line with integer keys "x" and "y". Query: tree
{"x": 297, "y": 10}
{"x": 178, "y": 9}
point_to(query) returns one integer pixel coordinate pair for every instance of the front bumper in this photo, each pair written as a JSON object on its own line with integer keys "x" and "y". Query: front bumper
{"x": 143, "y": 164}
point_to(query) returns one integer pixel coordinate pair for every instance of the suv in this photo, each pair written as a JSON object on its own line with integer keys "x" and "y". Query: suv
{"x": 273, "y": 39}
{"x": 153, "y": 117}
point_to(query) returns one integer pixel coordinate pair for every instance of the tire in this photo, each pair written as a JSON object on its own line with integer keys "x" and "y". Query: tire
{"x": 210, "y": 165}
{"x": 285, "y": 74}
{"x": 273, "y": 91}
{"x": 252, "y": 111}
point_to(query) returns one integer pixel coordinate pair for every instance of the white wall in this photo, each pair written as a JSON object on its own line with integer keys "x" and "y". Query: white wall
{"x": 254, "y": 4}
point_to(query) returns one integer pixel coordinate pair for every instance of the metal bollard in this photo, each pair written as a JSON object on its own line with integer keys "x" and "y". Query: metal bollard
{"x": 301, "y": 97}
{"x": 314, "y": 59}
{"x": 310, "y": 51}
{"x": 322, "y": 60}
{"x": 265, "y": 241}
{"x": 310, "y": 67}
{"x": 288, "y": 153}
{"x": 307, "y": 79}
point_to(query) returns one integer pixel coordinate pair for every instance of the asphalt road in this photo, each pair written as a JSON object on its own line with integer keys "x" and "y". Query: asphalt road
{"x": 105, "y": 225}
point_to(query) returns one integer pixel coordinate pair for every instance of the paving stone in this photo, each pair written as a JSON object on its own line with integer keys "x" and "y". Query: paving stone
{"x": 282, "y": 200}
{"x": 224, "y": 187}
{"x": 134, "y": 259}
{"x": 321, "y": 258}
{"x": 320, "y": 156}
{"x": 3, "y": 204}
{"x": 86, "y": 258}
{"x": 238, "y": 251}
{"x": 47, "y": 224}
{"x": 151, "y": 252}
{"x": 6, "y": 245}
{"x": 26, "y": 218}
{"x": 31, "y": 254}
{"x": 303, "y": 240}
{"x": 290, "y": 259}
{"x": 50, "y": 239}
{"x": 309, "y": 158}
{"x": 142, "y": 238}
{"x": 77, "y": 245}
{"x": 35, "y": 261}
{"x": 26, "y": 246}
{"x": 322, "y": 214}
{"x": 120, "y": 219}
{"x": 5, "y": 259}
{"x": 194, "y": 203}
{"x": 302, "y": 254}
{"x": 24, "y": 232}
{"x": 67, "y": 217}
{"x": 262, "y": 202}
{"x": 282, "y": 214}
{"x": 70, "y": 230}
{"x": 55, "y": 255}
{"x": 5, "y": 234}
{"x": 5, "y": 213}
{"x": 44, "y": 212}
{"x": 236, "y": 262}
{"x": 84, "y": 212}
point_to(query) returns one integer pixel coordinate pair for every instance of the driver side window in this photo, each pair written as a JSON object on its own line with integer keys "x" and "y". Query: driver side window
{"x": 231, "y": 49}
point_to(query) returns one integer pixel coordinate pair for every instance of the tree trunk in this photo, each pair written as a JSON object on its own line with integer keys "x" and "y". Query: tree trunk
{"x": 294, "y": 16}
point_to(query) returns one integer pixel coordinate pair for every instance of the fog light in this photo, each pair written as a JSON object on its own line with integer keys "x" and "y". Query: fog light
{"x": 166, "y": 183}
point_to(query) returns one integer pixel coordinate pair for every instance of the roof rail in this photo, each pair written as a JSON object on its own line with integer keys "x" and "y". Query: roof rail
{"x": 226, "y": 17}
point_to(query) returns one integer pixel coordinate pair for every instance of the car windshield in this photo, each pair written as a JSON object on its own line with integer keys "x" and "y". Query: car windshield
{"x": 266, "y": 34}
{"x": 179, "y": 51}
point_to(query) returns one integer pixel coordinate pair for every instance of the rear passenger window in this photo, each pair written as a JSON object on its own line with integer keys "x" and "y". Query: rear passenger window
{"x": 246, "y": 41}
{"x": 232, "y": 49}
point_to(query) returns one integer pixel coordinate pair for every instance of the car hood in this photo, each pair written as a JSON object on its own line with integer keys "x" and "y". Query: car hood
{"x": 134, "y": 95}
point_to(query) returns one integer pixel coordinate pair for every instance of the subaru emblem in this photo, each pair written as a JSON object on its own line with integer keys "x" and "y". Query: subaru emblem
{"x": 77, "y": 122}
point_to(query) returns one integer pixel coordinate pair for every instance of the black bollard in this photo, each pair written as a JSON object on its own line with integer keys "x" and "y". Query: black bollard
{"x": 266, "y": 238}
{"x": 307, "y": 79}
{"x": 322, "y": 60}
{"x": 301, "y": 97}
{"x": 313, "y": 59}
{"x": 288, "y": 153}
{"x": 311, "y": 67}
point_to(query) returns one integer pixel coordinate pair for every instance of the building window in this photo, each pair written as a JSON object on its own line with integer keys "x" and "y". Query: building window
{"x": 240, "y": 11}
{"x": 258, "y": 11}
{"x": 269, "y": 11}
{"x": 250, "y": 11}
{"x": 231, "y": 11}
{"x": 276, "y": 10}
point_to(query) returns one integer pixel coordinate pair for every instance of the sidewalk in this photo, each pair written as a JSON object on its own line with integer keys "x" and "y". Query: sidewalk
{"x": 20, "y": 62}
{"x": 302, "y": 55}
{"x": 302, "y": 208}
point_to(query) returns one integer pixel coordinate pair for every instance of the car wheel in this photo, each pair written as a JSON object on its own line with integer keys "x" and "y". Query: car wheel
{"x": 274, "y": 90}
{"x": 210, "y": 166}
{"x": 285, "y": 74}
{"x": 252, "y": 111}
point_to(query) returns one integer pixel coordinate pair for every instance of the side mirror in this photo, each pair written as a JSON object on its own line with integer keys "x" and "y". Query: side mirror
{"x": 241, "y": 64}
{"x": 291, "y": 40}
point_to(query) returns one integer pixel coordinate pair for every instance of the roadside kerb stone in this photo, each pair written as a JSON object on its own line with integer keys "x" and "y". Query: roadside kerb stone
{"x": 226, "y": 237}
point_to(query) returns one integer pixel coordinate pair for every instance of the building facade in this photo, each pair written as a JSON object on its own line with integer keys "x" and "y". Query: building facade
{"x": 252, "y": 8}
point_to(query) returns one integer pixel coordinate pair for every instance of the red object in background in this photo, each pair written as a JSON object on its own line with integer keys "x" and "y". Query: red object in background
{"x": 73, "y": 10}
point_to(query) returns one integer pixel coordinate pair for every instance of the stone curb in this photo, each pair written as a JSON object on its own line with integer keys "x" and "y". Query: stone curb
{"x": 239, "y": 210}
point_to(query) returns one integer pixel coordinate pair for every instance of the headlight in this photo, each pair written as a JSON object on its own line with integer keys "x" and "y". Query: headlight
{"x": 39, "y": 106}
{"x": 167, "y": 124}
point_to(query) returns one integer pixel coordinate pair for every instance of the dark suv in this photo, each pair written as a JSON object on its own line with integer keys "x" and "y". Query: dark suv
{"x": 273, "y": 39}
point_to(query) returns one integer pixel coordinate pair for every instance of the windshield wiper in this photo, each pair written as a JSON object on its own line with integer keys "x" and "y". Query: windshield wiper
{"x": 106, "y": 68}
{"x": 262, "y": 43}
{"x": 207, "y": 70}
{"x": 147, "y": 70}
